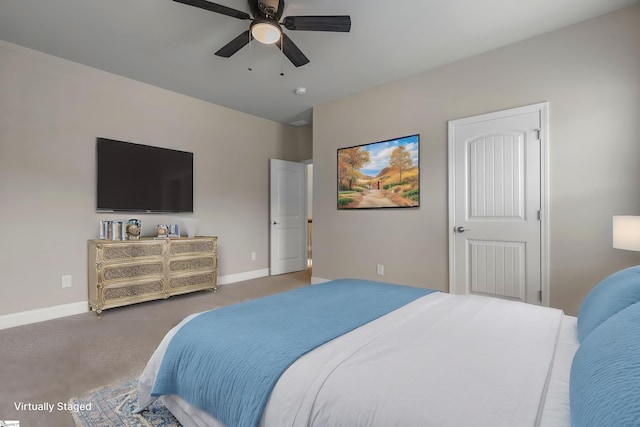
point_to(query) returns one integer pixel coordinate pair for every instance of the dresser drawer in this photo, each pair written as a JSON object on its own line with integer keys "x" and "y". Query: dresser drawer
{"x": 188, "y": 282}
{"x": 192, "y": 246}
{"x": 151, "y": 287}
{"x": 192, "y": 263}
{"x": 126, "y": 251}
{"x": 130, "y": 270}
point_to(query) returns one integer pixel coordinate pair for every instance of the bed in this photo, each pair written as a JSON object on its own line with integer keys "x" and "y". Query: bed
{"x": 435, "y": 359}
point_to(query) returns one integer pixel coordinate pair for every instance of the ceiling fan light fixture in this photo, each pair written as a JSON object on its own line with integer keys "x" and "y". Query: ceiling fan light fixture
{"x": 266, "y": 32}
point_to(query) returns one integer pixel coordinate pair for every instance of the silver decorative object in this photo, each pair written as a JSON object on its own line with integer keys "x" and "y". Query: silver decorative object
{"x": 162, "y": 230}
{"x": 112, "y": 230}
{"x": 116, "y": 231}
{"x": 134, "y": 227}
{"x": 104, "y": 229}
{"x": 174, "y": 230}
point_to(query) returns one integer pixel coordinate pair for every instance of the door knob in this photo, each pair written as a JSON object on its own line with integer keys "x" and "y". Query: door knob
{"x": 461, "y": 229}
{"x": 275, "y": 222}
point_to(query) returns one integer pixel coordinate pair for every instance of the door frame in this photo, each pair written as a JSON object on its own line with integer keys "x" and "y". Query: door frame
{"x": 543, "y": 109}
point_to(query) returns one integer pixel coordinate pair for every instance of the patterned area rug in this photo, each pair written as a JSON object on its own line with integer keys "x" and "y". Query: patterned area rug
{"x": 113, "y": 406}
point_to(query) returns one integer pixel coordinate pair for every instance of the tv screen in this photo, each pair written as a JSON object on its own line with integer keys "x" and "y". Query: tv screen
{"x": 141, "y": 178}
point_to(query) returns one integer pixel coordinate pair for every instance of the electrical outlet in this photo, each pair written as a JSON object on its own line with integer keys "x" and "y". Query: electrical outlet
{"x": 66, "y": 281}
{"x": 380, "y": 270}
{"x": 253, "y": 256}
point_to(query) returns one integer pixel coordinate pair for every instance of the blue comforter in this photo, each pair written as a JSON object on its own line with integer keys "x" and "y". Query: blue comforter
{"x": 227, "y": 361}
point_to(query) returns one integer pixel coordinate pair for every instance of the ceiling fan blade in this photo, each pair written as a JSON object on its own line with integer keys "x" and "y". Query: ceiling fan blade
{"x": 218, "y": 8}
{"x": 292, "y": 52}
{"x": 340, "y": 24}
{"x": 234, "y": 45}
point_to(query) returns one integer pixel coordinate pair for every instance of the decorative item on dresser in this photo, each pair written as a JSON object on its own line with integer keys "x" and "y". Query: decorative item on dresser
{"x": 133, "y": 229}
{"x": 162, "y": 230}
{"x": 132, "y": 271}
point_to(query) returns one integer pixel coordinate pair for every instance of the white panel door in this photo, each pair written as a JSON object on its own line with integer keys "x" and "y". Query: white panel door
{"x": 496, "y": 204}
{"x": 288, "y": 216}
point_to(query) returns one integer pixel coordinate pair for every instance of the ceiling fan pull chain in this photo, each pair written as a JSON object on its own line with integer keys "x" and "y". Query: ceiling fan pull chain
{"x": 281, "y": 53}
{"x": 250, "y": 53}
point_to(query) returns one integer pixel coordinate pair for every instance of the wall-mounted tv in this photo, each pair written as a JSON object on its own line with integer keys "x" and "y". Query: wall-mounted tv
{"x": 141, "y": 178}
{"x": 384, "y": 174}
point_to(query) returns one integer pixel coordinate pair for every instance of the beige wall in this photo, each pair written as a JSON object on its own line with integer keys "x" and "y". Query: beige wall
{"x": 589, "y": 73}
{"x": 51, "y": 111}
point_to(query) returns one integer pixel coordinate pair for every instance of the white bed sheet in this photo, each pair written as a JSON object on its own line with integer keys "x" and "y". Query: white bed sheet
{"x": 413, "y": 350}
{"x": 556, "y": 411}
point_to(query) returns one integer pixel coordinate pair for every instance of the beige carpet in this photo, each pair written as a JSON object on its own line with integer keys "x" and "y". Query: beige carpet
{"x": 50, "y": 362}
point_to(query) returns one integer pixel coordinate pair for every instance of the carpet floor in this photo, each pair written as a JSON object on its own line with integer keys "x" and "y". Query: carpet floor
{"x": 44, "y": 365}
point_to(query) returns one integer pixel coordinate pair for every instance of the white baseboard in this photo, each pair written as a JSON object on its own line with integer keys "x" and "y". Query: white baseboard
{"x": 49, "y": 313}
{"x": 239, "y": 277}
{"x": 315, "y": 280}
{"x": 42, "y": 314}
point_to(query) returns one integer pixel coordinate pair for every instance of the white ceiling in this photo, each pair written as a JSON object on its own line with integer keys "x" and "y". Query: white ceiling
{"x": 172, "y": 45}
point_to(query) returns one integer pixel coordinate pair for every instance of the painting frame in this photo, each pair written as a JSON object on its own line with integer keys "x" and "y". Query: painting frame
{"x": 396, "y": 183}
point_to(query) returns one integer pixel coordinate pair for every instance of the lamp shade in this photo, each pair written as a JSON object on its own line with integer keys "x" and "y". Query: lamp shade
{"x": 266, "y": 32}
{"x": 626, "y": 232}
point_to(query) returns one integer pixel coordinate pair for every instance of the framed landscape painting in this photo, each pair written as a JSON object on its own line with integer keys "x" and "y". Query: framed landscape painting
{"x": 383, "y": 174}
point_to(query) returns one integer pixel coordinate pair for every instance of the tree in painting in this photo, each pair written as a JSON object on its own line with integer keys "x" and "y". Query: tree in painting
{"x": 350, "y": 160}
{"x": 401, "y": 160}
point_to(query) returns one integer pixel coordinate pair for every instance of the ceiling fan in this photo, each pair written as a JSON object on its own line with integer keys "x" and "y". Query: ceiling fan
{"x": 266, "y": 29}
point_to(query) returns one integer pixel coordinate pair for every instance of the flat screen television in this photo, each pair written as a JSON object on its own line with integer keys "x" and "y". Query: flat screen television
{"x": 141, "y": 178}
